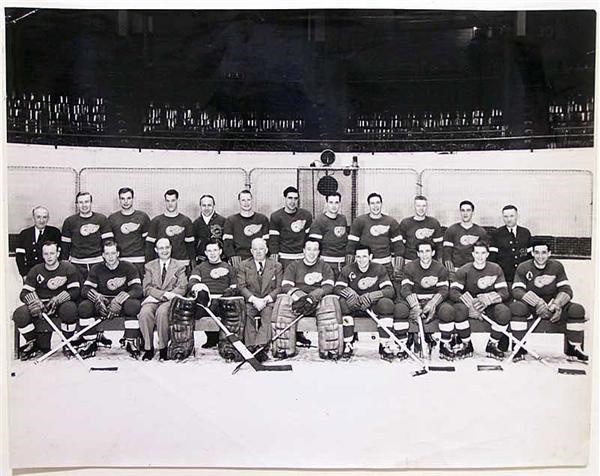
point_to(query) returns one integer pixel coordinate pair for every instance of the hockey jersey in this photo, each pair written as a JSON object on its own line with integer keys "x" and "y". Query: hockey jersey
{"x": 308, "y": 278}
{"x": 180, "y": 232}
{"x": 375, "y": 278}
{"x": 49, "y": 283}
{"x": 287, "y": 232}
{"x": 333, "y": 235}
{"x": 217, "y": 276}
{"x": 130, "y": 233}
{"x": 425, "y": 283}
{"x": 110, "y": 282}
{"x": 546, "y": 282}
{"x": 82, "y": 238}
{"x": 414, "y": 231}
{"x": 382, "y": 235}
{"x": 459, "y": 241}
{"x": 239, "y": 231}
{"x": 479, "y": 281}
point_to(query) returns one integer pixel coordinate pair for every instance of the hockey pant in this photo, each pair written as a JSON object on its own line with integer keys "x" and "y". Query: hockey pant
{"x": 33, "y": 328}
{"x": 129, "y": 312}
{"x": 444, "y": 312}
{"x": 384, "y": 309}
{"x": 499, "y": 313}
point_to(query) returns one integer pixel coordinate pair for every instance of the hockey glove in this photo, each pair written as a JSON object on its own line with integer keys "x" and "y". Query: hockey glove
{"x": 430, "y": 307}
{"x": 349, "y": 259}
{"x": 34, "y": 304}
{"x": 478, "y": 305}
{"x": 449, "y": 266}
{"x": 364, "y": 301}
{"x": 56, "y": 301}
{"x": 114, "y": 308}
{"x": 415, "y": 307}
{"x": 557, "y": 304}
{"x": 351, "y": 297}
{"x": 235, "y": 261}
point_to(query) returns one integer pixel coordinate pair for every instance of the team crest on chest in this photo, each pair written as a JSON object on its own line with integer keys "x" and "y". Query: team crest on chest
{"x": 251, "y": 230}
{"x": 544, "y": 280}
{"x": 486, "y": 281}
{"x": 89, "y": 229}
{"x": 429, "y": 281}
{"x": 115, "y": 283}
{"x": 297, "y": 226}
{"x": 174, "y": 230}
{"x": 313, "y": 278}
{"x": 379, "y": 230}
{"x": 56, "y": 282}
{"x": 468, "y": 240}
{"x": 129, "y": 227}
{"x": 339, "y": 231}
{"x": 423, "y": 233}
{"x": 217, "y": 273}
{"x": 366, "y": 282}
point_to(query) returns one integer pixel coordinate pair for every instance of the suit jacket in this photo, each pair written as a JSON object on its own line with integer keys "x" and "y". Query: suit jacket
{"x": 175, "y": 279}
{"x": 251, "y": 284}
{"x": 203, "y": 233}
{"x": 508, "y": 251}
{"x": 28, "y": 252}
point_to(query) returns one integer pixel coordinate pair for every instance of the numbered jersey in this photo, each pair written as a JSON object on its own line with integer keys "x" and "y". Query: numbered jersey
{"x": 546, "y": 282}
{"x": 382, "y": 235}
{"x": 414, "y": 231}
{"x": 130, "y": 233}
{"x": 424, "y": 282}
{"x": 217, "y": 276}
{"x": 49, "y": 283}
{"x": 83, "y": 237}
{"x": 239, "y": 231}
{"x": 110, "y": 282}
{"x": 287, "y": 232}
{"x": 306, "y": 277}
{"x": 478, "y": 281}
{"x": 333, "y": 235}
{"x": 375, "y": 278}
{"x": 459, "y": 241}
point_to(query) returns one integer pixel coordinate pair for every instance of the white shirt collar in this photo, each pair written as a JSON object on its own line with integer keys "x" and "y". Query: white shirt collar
{"x": 208, "y": 218}
{"x": 162, "y": 263}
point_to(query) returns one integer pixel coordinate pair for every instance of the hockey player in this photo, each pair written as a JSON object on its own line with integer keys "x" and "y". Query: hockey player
{"x": 82, "y": 235}
{"x": 423, "y": 292}
{"x": 460, "y": 238}
{"x": 421, "y": 227}
{"x": 480, "y": 287}
{"x": 381, "y": 233}
{"x": 308, "y": 284}
{"x": 240, "y": 229}
{"x": 113, "y": 288}
{"x": 130, "y": 227}
{"x": 541, "y": 287}
{"x": 175, "y": 226}
{"x": 29, "y": 244}
{"x": 215, "y": 276}
{"x": 259, "y": 282}
{"x": 51, "y": 287}
{"x": 331, "y": 229}
{"x": 164, "y": 279}
{"x": 364, "y": 285}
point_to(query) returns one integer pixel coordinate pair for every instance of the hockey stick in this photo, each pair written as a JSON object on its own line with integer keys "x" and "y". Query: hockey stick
{"x": 241, "y": 348}
{"x": 441, "y": 368}
{"x": 269, "y": 342}
{"x": 402, "y": 345}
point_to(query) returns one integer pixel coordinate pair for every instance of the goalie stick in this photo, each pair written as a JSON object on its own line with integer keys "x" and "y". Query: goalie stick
{"x": 441, "y": 368}
{"x": 241, "y": 348}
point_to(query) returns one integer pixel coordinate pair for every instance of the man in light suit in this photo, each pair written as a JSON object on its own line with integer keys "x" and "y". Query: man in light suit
{"x": 259, "y": 281}
{"x": 164, "y": 279}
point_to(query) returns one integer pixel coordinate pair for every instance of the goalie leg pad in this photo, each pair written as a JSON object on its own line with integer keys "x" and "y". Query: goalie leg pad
{"x": 282, "y": 316}
{"x": 232, "y": 312}
{"x": 181, "y": 328}
{"x": 329, "y": 328}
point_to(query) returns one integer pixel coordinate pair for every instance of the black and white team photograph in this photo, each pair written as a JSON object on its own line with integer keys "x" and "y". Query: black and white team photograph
{"x": 352, "y": 238}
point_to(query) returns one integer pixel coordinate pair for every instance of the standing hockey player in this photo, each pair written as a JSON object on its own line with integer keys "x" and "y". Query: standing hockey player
{"x": 460, "y": 238}
{"x": 29, "y": 244}
{"x": 330, "y": 228}
{"x": 82, "y": 235}
{"x": 164, "y": 279}
{"x": 240, "y": 229}
{"x": 219, "y": 279}
{"x": 541, "y": 287}
{"x": 176, "y": 227}
{"x": 207, "y": 228}
{"x": 51, "y": 287}
{"x": 381, "y": 233}
{"x": 308, "y": 284}
{"x": 420, "y": 227}
{"x": 480, "y": 287}
{"x": 423, "y": 292}
{"x": 259, "y": 281}
{"x": 130, "y": 227}
{"x": 112, "y": 289}
{"x": 364, "y": 285}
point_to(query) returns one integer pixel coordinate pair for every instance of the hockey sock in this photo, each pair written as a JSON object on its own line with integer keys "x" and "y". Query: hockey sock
{"x": 463, "y": 330}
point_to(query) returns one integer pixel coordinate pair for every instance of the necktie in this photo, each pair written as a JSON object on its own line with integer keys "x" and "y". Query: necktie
{"x": 164, "y": 273}
{"x": 260, "y": 268}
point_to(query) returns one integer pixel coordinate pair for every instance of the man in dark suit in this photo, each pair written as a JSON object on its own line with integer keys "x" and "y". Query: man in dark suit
{"x": 29, "y": 244}
{"x": 259, "y": 281}
{"x": 164, "y": 279}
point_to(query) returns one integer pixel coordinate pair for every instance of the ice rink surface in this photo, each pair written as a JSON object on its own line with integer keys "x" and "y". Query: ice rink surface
{"x": 365, "y": 413}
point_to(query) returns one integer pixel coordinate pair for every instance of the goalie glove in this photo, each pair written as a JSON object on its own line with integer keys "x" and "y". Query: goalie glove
{"x": 306, "y": 306}
{"x": 201, "y": 294}
{"x": 557, "y": 304}
{"x": 350, "y": 296}
{"x": 34, "y": 304}
{"x": 56, "y": 301}
{"x": 99, "y": 303}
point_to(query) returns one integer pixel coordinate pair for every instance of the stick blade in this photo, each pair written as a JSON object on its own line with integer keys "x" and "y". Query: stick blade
{"x": 571, "y": 371}
{"x": 274, "y": 368}
{"x": 490, "y": 368}
{"x": 104, "y": 369}
{"x": 442, "y": 368}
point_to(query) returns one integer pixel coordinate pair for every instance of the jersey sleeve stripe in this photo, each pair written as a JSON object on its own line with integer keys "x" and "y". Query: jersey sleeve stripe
{"x": 189, "y": 239}
{"x": 108, "y": 234}
{"x": 563, "y": 283}
{"x": 19, "y": 250}
{"x": 287, "y": 282}
{"x": 195, "y": 276}
{"x": 493, "y": 249}
{"x": 397, "y": 238}
{"x": 227, "y": 236}
{"x": 442, "y": 283}
{"x": 29, "y": 288}
{"x": 74, "y": 284}
{"x": 328, "y": 281}
{"x": 273, "y": 232}
{"x": 518, "y": 285}
{"x": 385, "y": 283}
{"x": 66, "y": 239}
{"x": 500, "y": 285}
{"x": 406, "y": 281}
{"x": 317, "y": 236}
{"x": 89, "y": 283}
{"x": 135, "y": 281}
{"x": 149, "y": 239}
{"x": 353, "y": 238}
{"x": 341, "y": 283}
{"x": 438, "y": 239}
{"x": 457, "y": 285}
{"x": 449, "y": 243}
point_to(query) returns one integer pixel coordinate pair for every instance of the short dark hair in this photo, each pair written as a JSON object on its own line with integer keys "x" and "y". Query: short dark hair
{"x": 466, "y": 202}
{"x": 109, "y": 242}
{"x": 425, "y": 242}
{"x": 509, "y": 207}
{"x": 50, "y": 243}
{"x": 333, "y": 194}
{"x": 481, "y": 244}
{"x": 362, "y": 246}
{"x": 245, "y": 191}
{"x": 290, "y": 190}
{"x": 123, "y": 190}
{"x": 540, "y": 241}
{"x": 207, "y": 195}
{"x": 420, "y": 197}
{"x": 311, "y": 239}
{"x": 215, "y": 241}
{"x": 172, "y": 191}
{"x": 82, "y": 194}
{"x": 374, "y": 194}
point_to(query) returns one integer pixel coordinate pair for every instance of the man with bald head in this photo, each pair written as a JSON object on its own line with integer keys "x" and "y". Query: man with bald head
{"x": 29, "y": 244}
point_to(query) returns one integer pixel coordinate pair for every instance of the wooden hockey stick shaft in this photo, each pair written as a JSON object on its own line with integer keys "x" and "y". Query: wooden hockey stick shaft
{"x": 70, "y": 339}
{"x": 64, "y": 339}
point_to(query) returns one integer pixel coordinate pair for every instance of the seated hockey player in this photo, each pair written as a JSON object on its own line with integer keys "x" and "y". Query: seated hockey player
{"x": 259, "y": 282}
{"x": 113, "y": 288}
{"x": 164, "y": 279}
{"x": 423, "y": 292}
{"x": 480, "y": 287}
{"x": 366, "y": 285}
{"x": 541, "y": 288}
{"x": 51, "y": 287}
{"x": 308, "y": 284}
{"x": 217, "y": 278}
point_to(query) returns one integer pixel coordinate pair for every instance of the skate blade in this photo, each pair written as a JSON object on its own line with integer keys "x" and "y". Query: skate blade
{"x": 576, "y": 360}
{"x": 417, "y": 373}
{"x": 571, "y": 371}
{"x": 442, "y": 368}
{"x": 490, "y": 367}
